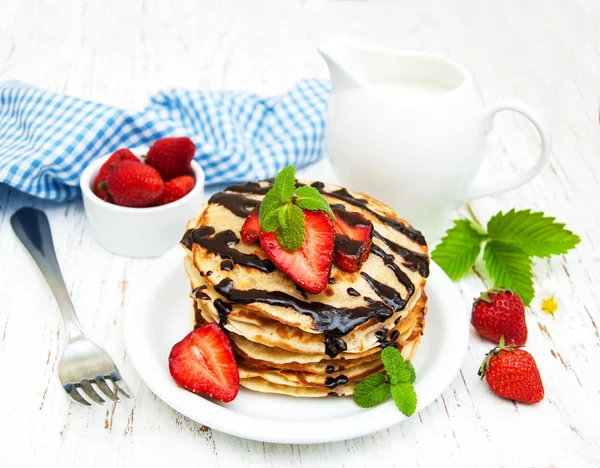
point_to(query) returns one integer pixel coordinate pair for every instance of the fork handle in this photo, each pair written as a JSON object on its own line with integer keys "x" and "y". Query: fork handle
{"x": 33, "y": 230}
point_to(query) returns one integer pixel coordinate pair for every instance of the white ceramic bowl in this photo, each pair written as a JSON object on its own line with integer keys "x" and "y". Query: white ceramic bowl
{"x": 138, "y": 232}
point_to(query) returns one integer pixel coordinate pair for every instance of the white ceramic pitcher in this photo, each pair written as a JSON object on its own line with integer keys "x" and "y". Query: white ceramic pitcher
{"x": 409, "y": 129}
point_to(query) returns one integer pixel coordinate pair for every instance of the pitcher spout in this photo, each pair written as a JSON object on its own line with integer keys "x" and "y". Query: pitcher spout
{"x": 345, "y": 59}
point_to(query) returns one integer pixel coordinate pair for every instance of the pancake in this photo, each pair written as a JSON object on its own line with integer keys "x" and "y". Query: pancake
{"x": 292, "y": 342}
{"x": 260, "y": 329}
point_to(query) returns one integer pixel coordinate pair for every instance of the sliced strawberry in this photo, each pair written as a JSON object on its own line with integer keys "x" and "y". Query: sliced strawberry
{"x": 353, "y": 239}
{"x": 310, "y": 265}
{"x": 171, "y": 156}
{"x": 203, "y": 363}
{"x": 251, "y": 227}
{"x": 175, "y": 189}
{"x": 122, "y": 154}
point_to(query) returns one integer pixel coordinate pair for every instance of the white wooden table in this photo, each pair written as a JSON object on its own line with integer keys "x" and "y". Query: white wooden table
{"x": 546, "y": 52}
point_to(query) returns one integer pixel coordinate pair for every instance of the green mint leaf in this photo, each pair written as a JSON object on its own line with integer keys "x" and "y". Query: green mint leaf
{"x": 411, "y": 371}
{"x": 285, "y": 184}
{"x": 405, "y": 397}
{"x": 394, "y": 365}
{"x": 534, "y": 233}
{"x": 371, "y": 391}
{"x": 271, "y": 220}
{"x": 310, "y": 198}
{"x": 291, "y": 238}
{"x": 459, "y": 249}
{"x": 509, "y": 267}
{"x": 282, "y": 215}
{"x": 271, "y": 202}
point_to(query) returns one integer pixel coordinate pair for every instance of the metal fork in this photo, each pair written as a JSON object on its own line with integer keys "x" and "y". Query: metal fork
{"x": 84, "y": 366}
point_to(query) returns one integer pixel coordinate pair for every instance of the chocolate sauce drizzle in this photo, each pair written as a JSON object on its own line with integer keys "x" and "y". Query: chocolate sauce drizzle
{"x": 414, "y": 261}
{"x": 352, "y": 292}
{"x": 233, "y": 200}
{"x": 334, "y": 345}
{"x": 330, "y": 369}
{"x": 223, "y": 310}
{"x": 394, "y": 335}
{"x": 198, "y": 294}
{"x": 220, "y": 244}
{"x": 335, "y": 321}
{"x": 249, "y": 187}
{"x": 331, "y": 280}
{"x": 332, "y": 382}
{"x": 381, "y": 334}
{"x": 237, "y": 203}
{"x": 226, "y": 265}
{"x": 344, "y": 195}
{"x": 388, "y": 260}
{"x": 389, "y": 295}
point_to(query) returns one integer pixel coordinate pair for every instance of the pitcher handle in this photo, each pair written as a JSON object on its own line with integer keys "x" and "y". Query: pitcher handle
{"x": 546, "y": 142}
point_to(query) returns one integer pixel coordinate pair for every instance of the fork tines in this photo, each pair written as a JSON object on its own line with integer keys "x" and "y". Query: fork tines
{"x": 93, "y": 388}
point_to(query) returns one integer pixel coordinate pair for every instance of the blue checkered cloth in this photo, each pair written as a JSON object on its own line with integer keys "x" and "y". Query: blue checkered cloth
{"x": 47, "y": 139}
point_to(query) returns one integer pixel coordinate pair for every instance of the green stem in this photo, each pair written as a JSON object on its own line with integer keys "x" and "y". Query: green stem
{"x": 474, "y": 217}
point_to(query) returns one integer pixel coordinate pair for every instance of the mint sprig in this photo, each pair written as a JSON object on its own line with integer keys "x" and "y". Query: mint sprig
{"x": 281, "y": 209}
{"x": 399, "y": 381}
{"x": 511, "y": 240}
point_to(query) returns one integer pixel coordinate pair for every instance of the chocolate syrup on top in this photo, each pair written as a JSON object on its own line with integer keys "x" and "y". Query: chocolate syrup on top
{"x": 238, "y": 204}
{"x": 336, "y": 321}
{"x": 414, "y": 261}
{"x": 352, "y": 292}
{"x": 394, "y": 335}
{"x": 220, "y": 244}
{"x": 226, "y": 265}
{"x": 388, "y": 260}
{"x": 329, "y": 369}
{"x": 249, "y": 187}
{"x": 344, "y": 195}
{"x": 389, "y": 295}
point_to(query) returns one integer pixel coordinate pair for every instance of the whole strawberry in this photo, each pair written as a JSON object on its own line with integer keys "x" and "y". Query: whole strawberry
{"x": 172, "y": 157}
{"x": 500, "y": 312}
{"x": 176, "y": 188}
{"x": 134, "y": 184}
{"x": 122, "y": 154}
{"x": 512, "y": 373}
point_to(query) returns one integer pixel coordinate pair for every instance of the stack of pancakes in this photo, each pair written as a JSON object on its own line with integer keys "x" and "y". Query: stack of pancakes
{"x": 291, "y": 342}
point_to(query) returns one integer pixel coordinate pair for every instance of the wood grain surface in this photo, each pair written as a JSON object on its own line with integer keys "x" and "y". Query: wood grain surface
{"x": 546, "y": 52}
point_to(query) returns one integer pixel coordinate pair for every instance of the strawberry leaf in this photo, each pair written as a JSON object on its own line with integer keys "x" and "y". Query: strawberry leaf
{"x": 535, "y": 234}
{"x": 459, "y": 249}
{"x": 509, "y": 267}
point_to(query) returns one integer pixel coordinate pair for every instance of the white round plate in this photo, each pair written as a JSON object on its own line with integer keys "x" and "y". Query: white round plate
{"x": 159, "y": 315}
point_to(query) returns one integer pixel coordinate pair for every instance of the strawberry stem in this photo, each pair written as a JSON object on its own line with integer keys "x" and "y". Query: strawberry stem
{"x": 474, "y": 217}
{"x": 485, "y": 365}
{"x": 485, "y": 296}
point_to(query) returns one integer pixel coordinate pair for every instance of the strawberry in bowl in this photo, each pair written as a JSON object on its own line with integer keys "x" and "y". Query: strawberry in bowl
{"x": 132, "y": 210}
